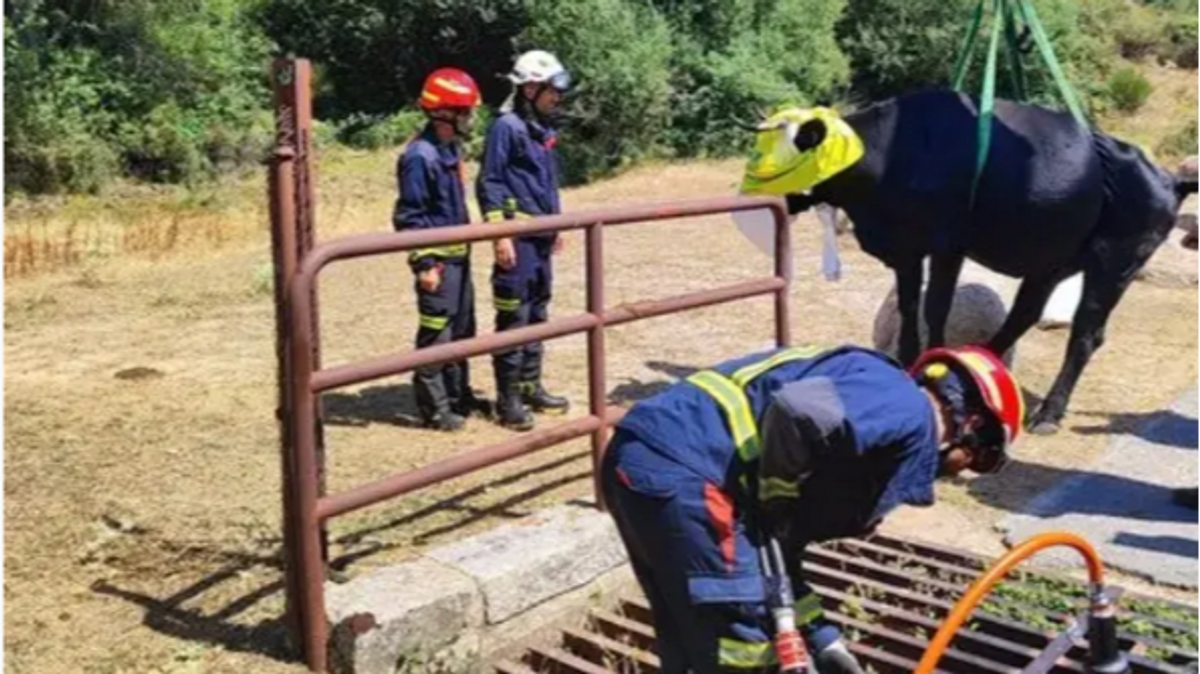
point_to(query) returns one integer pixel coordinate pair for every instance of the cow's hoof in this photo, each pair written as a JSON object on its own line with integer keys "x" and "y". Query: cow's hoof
{"x": 1042, "y": 424}
{"x": 1044, "y": 428}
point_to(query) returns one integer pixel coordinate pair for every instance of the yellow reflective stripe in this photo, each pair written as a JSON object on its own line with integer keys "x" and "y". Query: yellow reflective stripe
{"x": 451, "y": 250}
{"x": 808, "y": 609}
{"x": 452, "y": 85}
{"x": 745, "y": 654}
{"x": 498, "y": 216}
{"x": 506, "y": 305}
{"x": 777, "y": 487}
{"x": 748, "y": 373}
{"x": 429, "y": 95}
{"x": 434, "y": 322}
{"x": 736, "y": 406}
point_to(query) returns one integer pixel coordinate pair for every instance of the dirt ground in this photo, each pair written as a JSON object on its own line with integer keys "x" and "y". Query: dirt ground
{"x": 142, "y": 471}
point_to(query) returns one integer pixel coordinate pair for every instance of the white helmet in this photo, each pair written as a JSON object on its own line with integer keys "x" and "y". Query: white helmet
{"x": 540, "y": 66}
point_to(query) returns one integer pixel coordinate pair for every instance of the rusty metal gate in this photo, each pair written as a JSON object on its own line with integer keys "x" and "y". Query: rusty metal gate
{"x": 306, "y": 506}
{"x": 890, "y": 596}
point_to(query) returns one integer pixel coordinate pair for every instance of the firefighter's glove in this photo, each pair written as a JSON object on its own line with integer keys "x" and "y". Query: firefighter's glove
{"x": 837, "y": 659}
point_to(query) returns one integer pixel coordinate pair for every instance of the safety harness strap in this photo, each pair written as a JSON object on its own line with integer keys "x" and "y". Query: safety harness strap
{"x": 1005, "y": 14}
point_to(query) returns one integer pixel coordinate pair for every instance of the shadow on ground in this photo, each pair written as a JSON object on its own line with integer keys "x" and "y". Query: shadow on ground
{"x": 986, "y": 490}
{"x": 1162, "y": 427}
{"x": 174, "y": 614}
{"x": 1171, "y": 545}
{"x": 394, "y": 404}
{"x": 633, "y": 390}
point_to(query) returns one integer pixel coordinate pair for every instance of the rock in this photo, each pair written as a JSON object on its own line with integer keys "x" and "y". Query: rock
{"x": 520, "y": 565}
{"x": 1173, "y": 264}
{"x": 415, "y": 607}
{"x": 975, "y": 316}
{"x": 1060, "y": 308}
{"x": 1186, "y": 222}
{"x": 1190, "y": 168}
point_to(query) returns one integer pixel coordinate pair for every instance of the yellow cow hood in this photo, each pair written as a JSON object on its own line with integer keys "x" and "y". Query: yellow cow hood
{"x": 777, "y": 168}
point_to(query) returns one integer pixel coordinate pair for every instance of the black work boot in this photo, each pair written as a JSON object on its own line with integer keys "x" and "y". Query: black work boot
{"x": 471, "y": 405}
{"x": 1188, "y": 498}
{"x": 512, "y": 412}
{"x": 446, "y": 421}
{"x": 539, "y": 400}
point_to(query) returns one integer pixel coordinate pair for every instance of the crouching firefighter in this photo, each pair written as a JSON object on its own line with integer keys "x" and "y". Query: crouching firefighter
{"x": 790, "y": 446}
{"x": 519, "y": 179}
{"x": 432, "y": 195}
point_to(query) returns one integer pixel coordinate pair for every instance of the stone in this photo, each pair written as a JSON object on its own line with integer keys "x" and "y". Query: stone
{"x": 1189, "y": 169}
{"x": 412, "y": 608}
{"x": 517, "y": 566}
{"x": 1188, "y": 223}
{"x": 975, "y": 316}
{"x": 1060, "y": 308}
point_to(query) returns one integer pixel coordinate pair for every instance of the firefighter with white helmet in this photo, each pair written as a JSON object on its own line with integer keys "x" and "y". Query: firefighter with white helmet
{"x": 519, "y": 179}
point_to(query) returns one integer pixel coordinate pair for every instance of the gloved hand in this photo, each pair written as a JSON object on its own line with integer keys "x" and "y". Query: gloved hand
{"x": 836, "y": 659}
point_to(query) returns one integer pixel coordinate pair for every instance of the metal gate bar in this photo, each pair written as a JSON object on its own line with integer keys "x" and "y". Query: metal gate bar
{"x": 309, "y": 508}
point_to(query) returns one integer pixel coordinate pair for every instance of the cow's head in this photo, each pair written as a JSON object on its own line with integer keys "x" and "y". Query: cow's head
{"x": 798, "y": 148}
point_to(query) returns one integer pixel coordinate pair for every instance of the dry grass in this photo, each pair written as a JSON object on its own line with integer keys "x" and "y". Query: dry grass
{"x": 142, "y": 509}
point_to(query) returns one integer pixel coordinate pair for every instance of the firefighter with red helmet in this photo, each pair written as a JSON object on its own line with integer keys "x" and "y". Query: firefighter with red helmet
{"x": 430, "y": 176}
{"x": 794, "y": 445}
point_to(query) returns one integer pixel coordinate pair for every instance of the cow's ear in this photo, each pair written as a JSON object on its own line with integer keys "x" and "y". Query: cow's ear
{"x": 810, "y": 135}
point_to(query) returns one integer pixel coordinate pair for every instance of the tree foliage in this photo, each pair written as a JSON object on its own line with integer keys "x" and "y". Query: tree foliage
{"x": 175, "y": 90}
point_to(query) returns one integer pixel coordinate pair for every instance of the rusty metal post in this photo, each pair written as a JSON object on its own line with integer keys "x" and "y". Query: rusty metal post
{"x": 783, "y": 270}
{"x": 308, "y": 552}
{"x": 300, "y": 93}
{"x": 597, "y": 383}
{"x": 285, "y": 257}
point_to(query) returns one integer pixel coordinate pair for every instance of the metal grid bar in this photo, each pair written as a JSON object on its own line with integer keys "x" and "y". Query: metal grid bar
{"x": 890, "y": 615}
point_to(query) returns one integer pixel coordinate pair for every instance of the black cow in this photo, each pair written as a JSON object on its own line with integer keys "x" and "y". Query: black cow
{"x": 1054, "y": 199}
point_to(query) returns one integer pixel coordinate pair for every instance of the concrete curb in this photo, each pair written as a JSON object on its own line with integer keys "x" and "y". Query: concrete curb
{"x": 471, "y": 598}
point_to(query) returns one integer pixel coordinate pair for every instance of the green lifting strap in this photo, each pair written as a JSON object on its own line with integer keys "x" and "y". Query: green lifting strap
{"x": 1005, "y": 15}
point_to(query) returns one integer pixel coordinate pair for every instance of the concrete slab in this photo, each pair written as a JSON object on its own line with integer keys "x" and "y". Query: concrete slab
{"x": 520, "y": 565}
{"x": 395, "y": 612}
{"x": 1122, "y": 503}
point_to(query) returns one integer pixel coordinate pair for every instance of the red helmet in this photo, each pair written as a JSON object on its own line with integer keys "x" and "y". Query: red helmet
{"x": 449, "y": 88}
{"x": 995, "y": 385}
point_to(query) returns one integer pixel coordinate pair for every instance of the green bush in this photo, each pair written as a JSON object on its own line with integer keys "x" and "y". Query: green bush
{"x": 1129, "y": 89}
{"x": 51, "y": 142}
{"x": 896, "y": 46}
{"x": 618, "y": 54}
{"x": 786, "y": 54}
{"x": 165, "y": 90}
{"x": 374, "y": 55}
{"x": 1181, "y": 37}
{"x": 372, "y": 133}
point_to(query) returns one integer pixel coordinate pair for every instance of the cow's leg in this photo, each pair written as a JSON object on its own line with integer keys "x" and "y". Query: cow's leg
{"x": 1026, "y": 310}
{"x": 908, "y": 298}
{"x": 1107, "y": 273}
{"x": 939, "y": 296}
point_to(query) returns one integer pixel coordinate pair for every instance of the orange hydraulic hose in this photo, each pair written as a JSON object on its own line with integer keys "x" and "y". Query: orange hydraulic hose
{"x": 983, "y": 585}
